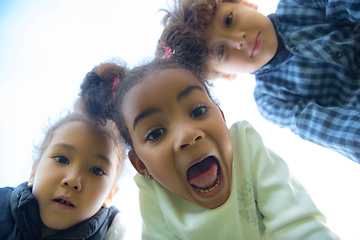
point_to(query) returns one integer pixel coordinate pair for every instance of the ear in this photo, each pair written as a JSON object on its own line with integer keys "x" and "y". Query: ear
{"x": 222, "y": 114}
{"x": 33, "y": 172}
{"x": 249, "y": 4}
{"x": 228, "y": 76}
{"x": 107, "y": 202}
{"x": 137, "y": 163}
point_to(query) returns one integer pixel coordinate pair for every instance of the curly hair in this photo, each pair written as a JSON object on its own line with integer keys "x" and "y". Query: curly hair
{"x": 195, "y": 14}
{"x": 96, "y": 96}
{"x": 184, "y": 27}
{"x": 185, "y": 42}
{"x": 96, "y": 88}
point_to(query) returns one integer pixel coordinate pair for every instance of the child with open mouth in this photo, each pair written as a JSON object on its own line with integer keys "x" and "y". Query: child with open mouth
{"x": 197, "y": 178}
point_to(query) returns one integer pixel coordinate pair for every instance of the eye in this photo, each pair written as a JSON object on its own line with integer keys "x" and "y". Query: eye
{"x": 97, "y": 171}
{"x": 61, "y": 159}
{"x": 197, "y": 112}
{"x": 220, "y": 52}
{"x": 228, "y": 19}
{"x": 154, "y": 134}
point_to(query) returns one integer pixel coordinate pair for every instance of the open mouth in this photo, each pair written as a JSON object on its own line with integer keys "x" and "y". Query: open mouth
{"x": 204, "y": 176}
{"x": 62, "y": 201}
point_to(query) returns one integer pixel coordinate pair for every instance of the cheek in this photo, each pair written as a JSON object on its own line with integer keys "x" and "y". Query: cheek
{"x": 99, "y": 196}
{"x": 236, "y": 58}
{"x": 235, "y": 63}
{"x": 42, "y": 187}
{"x": 44, "y": 178}
{"x": 162, "y": 166}
{"x": 96, "y": 195}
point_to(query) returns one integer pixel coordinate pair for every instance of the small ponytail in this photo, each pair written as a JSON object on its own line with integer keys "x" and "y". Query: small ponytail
{"x": 98, "y": 90}
{"x": 188, "y": 47}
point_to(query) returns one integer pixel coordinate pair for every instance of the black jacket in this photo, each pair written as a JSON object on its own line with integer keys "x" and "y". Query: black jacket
{"x": 20, "y": 218}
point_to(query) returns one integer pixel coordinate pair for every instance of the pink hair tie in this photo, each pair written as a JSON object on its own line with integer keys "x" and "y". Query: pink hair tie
{"x": 113, "y": 89}
{"x": 168, "y": 52}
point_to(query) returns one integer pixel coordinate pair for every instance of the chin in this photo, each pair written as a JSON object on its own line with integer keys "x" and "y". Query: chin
{"x": 58, "y": 224}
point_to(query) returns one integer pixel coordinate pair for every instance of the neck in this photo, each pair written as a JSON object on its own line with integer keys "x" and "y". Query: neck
{"x": 46, "y": 231}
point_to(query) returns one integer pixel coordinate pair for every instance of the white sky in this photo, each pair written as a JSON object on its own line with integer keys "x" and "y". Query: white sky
{"x": 47, "y": 47}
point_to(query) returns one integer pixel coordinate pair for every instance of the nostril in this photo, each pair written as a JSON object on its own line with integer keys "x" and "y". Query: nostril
{"x": 75, "y": 187}
{"x": 199, "y": 137}
{"x": 184, "y": 146}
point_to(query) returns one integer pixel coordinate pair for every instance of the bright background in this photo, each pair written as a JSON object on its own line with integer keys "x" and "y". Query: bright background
{"x": 47, "y": 47}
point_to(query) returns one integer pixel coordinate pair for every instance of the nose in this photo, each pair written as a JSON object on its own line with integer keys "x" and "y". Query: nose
{"x": 187, "y": 136}
{"x": 72, "y": 180}
{"x": 238, "y": 40}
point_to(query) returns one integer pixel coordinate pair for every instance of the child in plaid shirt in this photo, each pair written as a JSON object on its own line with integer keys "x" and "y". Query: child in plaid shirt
{"x": 304, "y": 58}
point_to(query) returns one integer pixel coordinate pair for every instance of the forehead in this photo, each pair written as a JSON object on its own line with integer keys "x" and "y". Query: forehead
{"x": 84, "y": 139}
{"x": 159, "y": 89}
{"x": 69, "y": 127}
{"x": 76, "y": 132}
{"x": 163, "y": 80}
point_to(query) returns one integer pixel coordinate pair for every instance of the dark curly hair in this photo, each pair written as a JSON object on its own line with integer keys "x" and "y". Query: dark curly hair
{"x": 195, "y": 14}
{"x": 185, "y": 42}
{"x": 97, "y": 87}
{"x": 96, "y": 93}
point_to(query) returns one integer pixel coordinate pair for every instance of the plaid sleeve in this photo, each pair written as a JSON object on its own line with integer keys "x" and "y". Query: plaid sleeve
{"x": 348, "y": 10}
{"x": 314, "y": 91}
{"x": 344, "y": 10}
{"x": 336, "y": 128}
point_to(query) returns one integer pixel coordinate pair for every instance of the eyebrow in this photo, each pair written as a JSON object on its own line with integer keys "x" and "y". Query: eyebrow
{"x": 144, "y": 114}
{"x": 71, "y": 148}
{"x": 64, "y": 145}
{"x": 186, "y": 92}
{"x": 102, "y": 157}
{"x": 218, "y": 6}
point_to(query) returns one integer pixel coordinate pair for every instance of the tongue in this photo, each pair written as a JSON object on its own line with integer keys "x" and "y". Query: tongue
{"x": 206, "y": 179}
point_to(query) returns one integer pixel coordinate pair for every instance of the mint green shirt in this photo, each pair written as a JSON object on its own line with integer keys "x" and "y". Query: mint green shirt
{"x": 266, "y": 202}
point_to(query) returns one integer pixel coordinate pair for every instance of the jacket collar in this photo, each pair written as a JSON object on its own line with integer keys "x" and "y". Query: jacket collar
{"x": 25, "y": 210}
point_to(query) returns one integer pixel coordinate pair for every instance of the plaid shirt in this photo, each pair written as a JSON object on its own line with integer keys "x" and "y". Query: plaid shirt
{"x": 312, "y": 86}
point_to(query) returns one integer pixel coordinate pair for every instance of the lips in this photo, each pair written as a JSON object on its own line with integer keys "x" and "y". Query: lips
{"x": 64, "y": 201}
{"x": 256, "y": 45}
{"x": 204, "y": 176}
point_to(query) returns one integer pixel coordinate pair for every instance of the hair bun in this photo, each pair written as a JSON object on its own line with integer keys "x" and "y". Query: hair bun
{"x": 98, "y": 91}
{"x": 109, "y": 71}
